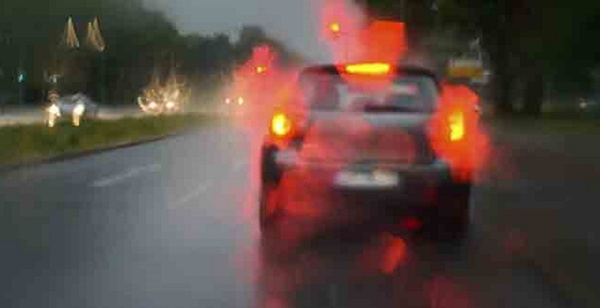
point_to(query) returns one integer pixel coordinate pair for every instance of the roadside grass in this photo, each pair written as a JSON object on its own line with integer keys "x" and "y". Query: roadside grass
{"x": 30, "y": 142}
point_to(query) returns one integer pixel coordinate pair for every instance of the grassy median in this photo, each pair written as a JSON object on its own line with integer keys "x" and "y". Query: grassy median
{"x": 26, "y": 143}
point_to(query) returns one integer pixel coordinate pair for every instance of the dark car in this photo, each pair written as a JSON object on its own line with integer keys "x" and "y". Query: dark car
{"x": 364, "y": 131}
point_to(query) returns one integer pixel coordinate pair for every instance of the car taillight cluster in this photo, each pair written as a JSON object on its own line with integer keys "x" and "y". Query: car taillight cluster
{"x": 456, "y": 124}
{"x": 455, "y": 134}
{"x": 281, "y": 125}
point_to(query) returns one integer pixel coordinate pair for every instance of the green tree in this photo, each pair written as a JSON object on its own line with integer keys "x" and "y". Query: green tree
{"x": 135, "y": 38}
{"x": 530, "y": 43}
{"x": 139, "y": 45}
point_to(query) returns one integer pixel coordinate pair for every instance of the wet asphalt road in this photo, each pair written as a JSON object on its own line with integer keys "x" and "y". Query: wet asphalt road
{"x": 173, "y": 224}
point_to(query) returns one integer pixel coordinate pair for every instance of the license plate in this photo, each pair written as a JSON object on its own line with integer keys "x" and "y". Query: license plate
{"x": 375, "y": 179}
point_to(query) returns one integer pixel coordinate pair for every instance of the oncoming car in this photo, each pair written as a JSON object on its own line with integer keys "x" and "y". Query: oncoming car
{"x": 73, "y": 108}
{"x": 161, "y": 101}
{"x": 364, "y": 132}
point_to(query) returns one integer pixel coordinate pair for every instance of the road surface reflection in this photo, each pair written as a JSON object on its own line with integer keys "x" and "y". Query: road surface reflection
{"x": 366, "y": 265}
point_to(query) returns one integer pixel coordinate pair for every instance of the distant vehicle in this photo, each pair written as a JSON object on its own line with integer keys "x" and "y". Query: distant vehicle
{"x": 157, "y": 99}
{"x": 235, "y": 105}
{"x": 235, "y": 100}
{"x": 71, "y": 107}
{"x": 368, "y": 143}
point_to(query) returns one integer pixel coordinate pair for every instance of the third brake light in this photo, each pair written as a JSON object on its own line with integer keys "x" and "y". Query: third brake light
{"x": 369, "y": 68}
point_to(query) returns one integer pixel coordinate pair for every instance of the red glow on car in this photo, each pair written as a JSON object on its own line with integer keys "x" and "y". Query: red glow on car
{"x": 456, "y": 135}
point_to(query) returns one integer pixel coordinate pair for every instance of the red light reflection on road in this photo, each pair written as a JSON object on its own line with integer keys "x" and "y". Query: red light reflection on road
{"x": 445, "y": 292}
{"x": 350, "y": 138}
{"x": 394, "y": 254}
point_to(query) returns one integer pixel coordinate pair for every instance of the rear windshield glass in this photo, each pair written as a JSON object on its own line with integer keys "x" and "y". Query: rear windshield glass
{"x": 404, "y": 94}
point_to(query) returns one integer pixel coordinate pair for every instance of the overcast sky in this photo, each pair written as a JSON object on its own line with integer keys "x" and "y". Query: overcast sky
{"x": 292, "y": 21}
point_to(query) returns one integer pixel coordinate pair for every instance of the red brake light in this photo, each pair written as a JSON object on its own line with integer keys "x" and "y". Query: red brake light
{"x": 456, "y": 122}
{"x": 281, "y": 125}
{"x": 455, "y": 134}
{"x": 369, "y": 68}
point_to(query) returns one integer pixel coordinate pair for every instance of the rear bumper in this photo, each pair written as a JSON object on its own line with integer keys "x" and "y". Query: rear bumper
{"x": 438, "y": 170}
{"x": 418, "y": 184}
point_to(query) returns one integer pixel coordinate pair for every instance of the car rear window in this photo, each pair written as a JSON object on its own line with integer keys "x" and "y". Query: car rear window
{"x": 405, "y": 93}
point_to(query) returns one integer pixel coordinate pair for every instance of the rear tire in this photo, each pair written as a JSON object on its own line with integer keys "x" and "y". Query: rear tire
{"x": 269, "y": 206}
{"x": 270, "y": 201}
{"x": 452, "y": 217}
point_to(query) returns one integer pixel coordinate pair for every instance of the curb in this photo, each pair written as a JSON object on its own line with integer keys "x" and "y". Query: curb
{"x": 74, "y": 155}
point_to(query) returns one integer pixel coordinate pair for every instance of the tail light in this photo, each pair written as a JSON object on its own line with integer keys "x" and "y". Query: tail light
{"x": 455, "y": 135}
{"x": 456, "y": 122}
{"x": 369, "y": 68}
{"x": 281, "y": 125}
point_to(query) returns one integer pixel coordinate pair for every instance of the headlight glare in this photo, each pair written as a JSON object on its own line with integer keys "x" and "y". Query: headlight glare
{"x": 79, "y": 109}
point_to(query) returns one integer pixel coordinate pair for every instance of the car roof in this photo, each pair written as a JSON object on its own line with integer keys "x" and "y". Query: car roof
{"x": 411, "y": 70}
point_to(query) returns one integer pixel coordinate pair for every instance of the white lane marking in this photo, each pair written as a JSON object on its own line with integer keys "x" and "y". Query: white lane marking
{"x": 191, "y": 195}
{"x": 133, "y": 172}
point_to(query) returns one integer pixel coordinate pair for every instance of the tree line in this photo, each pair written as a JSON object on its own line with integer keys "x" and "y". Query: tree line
{"x": 140, "y": 45}
{"x": 537, "y": 48}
